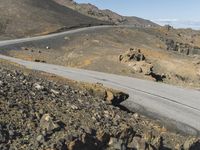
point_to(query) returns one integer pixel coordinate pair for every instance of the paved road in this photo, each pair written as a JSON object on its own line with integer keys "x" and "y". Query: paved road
{"x": 56, "y": 35}
{"x": 178, "y": 108}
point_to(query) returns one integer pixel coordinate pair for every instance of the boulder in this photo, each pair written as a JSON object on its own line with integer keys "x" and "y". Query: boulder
{"x": 132, "y": 55}
{"x": 137, "y": 143}
{"x": 103, "y": 137}
{"x": 38, "y": 86}
{"x": 141, "y": 67}
{"x": 47, "y": 124}
{"x": 137, "y": 68}
{"x": 76, "y": 144}
{"x": 115, "y": 143}
{"x": 136, "y": 60}
{"x": 188, "y": 143}
{"x": 109, "y": 97}
{"x": 147, "y": 68}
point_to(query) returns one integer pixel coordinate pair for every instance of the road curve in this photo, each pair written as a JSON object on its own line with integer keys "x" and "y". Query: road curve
{"x": 176, "y": 107}
{"x": 54, "y": 35}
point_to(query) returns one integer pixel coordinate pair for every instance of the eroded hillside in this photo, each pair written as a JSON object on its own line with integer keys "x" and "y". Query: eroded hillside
{"x": 23, "y": 18}
{"x": 106, "y": 15}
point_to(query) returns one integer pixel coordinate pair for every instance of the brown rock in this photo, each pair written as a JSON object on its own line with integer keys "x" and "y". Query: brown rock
{"x": 115, "y": 143}
{"x": 188, "y": 143}
{"x": 75, "y": 145}
{"x": 136, "y": 115}
{"x": 132, "y": 55}
{"x": 109, "y": 96}
{"x": 137, "y": 143}
{"x": 103, "y": 136}
{"x": 137, "y": 68}
{"x": 47, "y": 124}
{"x": 147, "y": 68}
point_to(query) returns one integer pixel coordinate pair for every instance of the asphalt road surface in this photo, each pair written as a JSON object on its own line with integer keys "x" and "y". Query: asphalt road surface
{"x": 51, "y": 36}
{"x": 177, "y": 108}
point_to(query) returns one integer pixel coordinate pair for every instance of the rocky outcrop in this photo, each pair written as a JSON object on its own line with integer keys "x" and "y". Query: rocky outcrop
{"x": 134, "y": 54}
{"x": 182, "y": 48}
{"x": 136, "y": 60}
{"x": 106, "y": 15}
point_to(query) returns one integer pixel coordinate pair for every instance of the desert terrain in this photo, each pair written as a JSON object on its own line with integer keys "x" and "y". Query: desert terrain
{"x": 99, "y": 50}
{"x": 42, "y": 111}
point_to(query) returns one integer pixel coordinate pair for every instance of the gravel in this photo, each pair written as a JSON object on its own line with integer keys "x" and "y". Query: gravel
{"x": 37, "y": 113}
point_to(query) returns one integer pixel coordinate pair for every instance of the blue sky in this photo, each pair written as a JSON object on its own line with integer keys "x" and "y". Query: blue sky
{"x": 175, "y": 12}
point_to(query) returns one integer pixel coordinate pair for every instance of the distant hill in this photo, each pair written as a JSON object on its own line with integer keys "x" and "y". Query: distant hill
{"x": 105, "y": 15}
{"x": 20, "y": 18}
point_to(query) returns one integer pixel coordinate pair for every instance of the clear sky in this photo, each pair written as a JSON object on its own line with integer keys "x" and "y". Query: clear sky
{"x": 161, "y": 10}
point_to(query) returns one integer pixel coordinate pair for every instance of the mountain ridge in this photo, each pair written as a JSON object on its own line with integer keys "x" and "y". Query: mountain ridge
{"x": 106, "y": 14}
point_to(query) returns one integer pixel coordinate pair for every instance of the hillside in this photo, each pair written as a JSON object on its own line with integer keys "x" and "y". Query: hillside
{"x": 34, "y": 17}
{"x": 160, "y": 54}
{"x": 52, "y": 113}
{"x": 105, "y": 15}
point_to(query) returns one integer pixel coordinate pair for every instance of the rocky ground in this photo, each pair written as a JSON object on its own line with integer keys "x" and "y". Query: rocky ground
{"x": 41, "y": 111}
{"x": 136, "y": 60}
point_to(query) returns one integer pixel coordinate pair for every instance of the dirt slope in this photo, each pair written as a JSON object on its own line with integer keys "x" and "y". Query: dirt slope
{"x": 31, "y": 17}
{"x": 105, "y": 15}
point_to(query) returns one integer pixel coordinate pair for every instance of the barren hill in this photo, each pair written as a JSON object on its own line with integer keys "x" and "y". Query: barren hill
{"x": 21, "y": 18}
{"x": 105, "y": 15}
